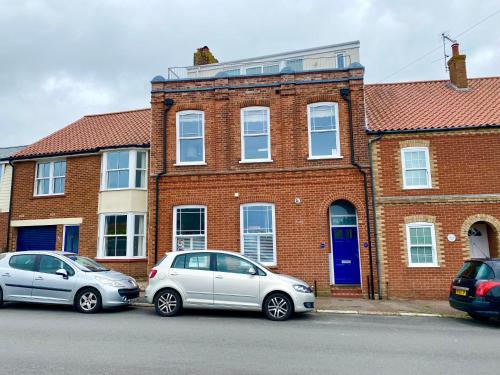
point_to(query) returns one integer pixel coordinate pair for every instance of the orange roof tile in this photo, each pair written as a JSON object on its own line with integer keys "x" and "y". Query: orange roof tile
{"x": 432, "y": 105}
{"x": 94, "y": 132}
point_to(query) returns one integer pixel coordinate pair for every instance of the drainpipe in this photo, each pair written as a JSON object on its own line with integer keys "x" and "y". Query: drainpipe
{"x": 168, "y": 104}
{"x": 371, "y": 141}
{"x": 9, "y": 216}
{"x": 345, "y": 94}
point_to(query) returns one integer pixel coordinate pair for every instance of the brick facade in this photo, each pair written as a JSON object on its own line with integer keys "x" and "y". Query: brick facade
{"x": 465, "y": 190}
{"x": 79, "y": 200}
{"x": 4, "y": 217}
{"x": 300, "y": 228}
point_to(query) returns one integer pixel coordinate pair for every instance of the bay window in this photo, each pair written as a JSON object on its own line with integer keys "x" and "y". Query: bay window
{"x": 122, "y": 235}
{"x": 258, "y": 240}
{"x": 124, "y": 169}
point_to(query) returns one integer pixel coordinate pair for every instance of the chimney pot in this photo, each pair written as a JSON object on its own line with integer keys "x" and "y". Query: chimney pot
{"x": 454, "y": 49}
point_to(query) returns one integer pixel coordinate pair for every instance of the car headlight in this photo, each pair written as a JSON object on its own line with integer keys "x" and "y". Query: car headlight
{"x": 109, "y": 282}
{"x": 302, "y": 288}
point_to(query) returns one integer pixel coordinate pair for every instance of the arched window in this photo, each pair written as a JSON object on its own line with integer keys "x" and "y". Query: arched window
{"x": 342, "y": 213}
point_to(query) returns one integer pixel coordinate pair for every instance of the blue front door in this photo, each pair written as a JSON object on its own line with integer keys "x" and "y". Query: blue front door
{"x": 71, "y": 238}
{"x": 345, "y": 255}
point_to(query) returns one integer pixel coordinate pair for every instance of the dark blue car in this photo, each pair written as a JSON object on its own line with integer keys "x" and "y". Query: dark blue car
{"x": 476, "y": 289}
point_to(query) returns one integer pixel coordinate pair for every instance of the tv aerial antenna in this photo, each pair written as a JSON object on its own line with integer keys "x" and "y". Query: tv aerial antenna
{"x": 446, "y": 37}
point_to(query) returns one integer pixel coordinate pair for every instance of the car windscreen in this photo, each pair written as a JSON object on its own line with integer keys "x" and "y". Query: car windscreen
{"x": 476, "y": 270}
{"x": 87, "y": 264}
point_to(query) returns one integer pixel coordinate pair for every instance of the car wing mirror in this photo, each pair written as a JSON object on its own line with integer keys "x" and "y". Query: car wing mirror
{"x": 252, "y": 271}
{"x": 62, "y": 272}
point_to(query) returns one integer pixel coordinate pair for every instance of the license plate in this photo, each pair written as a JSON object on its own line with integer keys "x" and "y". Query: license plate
{"x": 460, "y": 292}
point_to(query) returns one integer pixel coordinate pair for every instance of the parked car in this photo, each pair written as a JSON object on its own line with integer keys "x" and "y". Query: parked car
{"x": 56, "y": 277}
{"x": 476, "y": 289}
{"x": 224, "y": 280}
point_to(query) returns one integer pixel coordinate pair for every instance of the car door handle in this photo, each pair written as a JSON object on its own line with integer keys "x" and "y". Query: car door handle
{"x": 6, "y": 274}
{"x": 219, "y": 277}
{"x": 173, "y": 273}
{"x": 39, "y": 278}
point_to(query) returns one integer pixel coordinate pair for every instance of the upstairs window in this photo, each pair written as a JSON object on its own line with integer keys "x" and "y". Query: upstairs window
{"x": 323, "y": 130}
{"x": 50, "y": 178}
{"x": 190, "y": 138}
{"x": 2, "y": 171}
{"x": 255, "y": 139}
{"x": 421, "y": 240}
{"x": 125, "y": 169}
{"x": 257, "y": 232}
{"x": 340, "y": 61}
{"x": 190, "y": 228}
{"x": 296, "y": 65}
{"x": 416, "y": 168}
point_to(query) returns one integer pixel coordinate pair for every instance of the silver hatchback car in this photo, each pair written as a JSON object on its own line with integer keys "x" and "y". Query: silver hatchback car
{"x": 224, "y": 280}
{"x": 63, "y": 278}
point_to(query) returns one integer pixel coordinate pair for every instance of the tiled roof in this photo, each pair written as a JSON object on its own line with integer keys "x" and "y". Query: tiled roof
{"x": 5, "y": 152}
{"x": 95, "y": 132}
{"x": 432, "y": 105}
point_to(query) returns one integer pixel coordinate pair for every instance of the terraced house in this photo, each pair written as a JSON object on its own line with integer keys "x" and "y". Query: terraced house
{"x": 84, "y": 189}
{"x": 436, "y": 153}
{"x": 268, "y": 157}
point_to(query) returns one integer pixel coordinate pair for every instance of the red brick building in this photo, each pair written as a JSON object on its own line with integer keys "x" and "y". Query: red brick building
{"x": 436, "y": 152}
{"x": 267, "y": 157}
{"x": 84, "y": 189}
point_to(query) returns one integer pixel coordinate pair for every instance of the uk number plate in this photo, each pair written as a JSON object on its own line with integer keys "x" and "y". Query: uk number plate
{"x": 461, "y": 292}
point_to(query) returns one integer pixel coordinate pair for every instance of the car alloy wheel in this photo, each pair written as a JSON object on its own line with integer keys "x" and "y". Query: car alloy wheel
{"x": 88, "y": 301}
{"x": 167, "y": 303}
{"x": 278, "y": 307}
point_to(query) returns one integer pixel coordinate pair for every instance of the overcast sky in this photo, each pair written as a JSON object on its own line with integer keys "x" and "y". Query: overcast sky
{"x": 60, "y": 60}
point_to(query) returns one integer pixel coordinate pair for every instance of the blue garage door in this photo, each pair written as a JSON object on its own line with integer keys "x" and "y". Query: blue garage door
{"x": 36, "y": 238}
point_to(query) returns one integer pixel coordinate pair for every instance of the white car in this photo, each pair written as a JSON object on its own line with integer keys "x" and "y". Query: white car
{"x": 224, "y": 280}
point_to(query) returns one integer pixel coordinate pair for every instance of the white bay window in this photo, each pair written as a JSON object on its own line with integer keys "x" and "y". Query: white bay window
{"x": 124, "y": 169}
{"x": 122, "y": 235}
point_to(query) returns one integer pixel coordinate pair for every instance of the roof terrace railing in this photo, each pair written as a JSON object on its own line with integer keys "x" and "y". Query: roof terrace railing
{"x": 251, "y": 68}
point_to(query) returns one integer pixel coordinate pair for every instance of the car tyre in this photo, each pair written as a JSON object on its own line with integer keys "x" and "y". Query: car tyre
{"x": 479, "y": 318}
{"x": 278, "y": 307}
{"x": 88, "y": 301}
{"x": 167, "y": 302}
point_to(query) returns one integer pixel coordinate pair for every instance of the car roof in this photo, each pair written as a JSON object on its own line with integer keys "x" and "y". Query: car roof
{"x": 206, "y": 251}
{"x": 43, "y": 252}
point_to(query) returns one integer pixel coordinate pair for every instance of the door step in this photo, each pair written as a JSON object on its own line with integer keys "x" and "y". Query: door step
{"x": 346, "y": 291}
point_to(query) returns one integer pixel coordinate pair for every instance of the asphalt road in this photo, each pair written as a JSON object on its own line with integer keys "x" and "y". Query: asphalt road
{"x": 54, "y": 340}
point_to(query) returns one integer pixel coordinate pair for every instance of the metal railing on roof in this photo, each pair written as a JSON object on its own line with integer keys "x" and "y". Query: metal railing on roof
{"x": 251, "y": 68}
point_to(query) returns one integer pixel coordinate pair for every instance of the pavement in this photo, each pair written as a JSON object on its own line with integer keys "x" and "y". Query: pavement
{"x": 56, "y": 340}
{"x": 360, "y": 306}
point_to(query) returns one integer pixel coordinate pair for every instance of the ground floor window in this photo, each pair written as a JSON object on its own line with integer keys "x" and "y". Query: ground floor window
{"x": 190, "y": 228}
{"x": 421, "y": 241}
{"x": 122, "y": 235}
{"x": 258, "y": 232}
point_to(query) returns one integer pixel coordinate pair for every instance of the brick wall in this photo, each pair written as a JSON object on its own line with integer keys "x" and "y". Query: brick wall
{"x": 300, "y": 228}
{"x": 79, "y": 200}
{"x": 465, "y": 187}
{"x": 4, "y": 216}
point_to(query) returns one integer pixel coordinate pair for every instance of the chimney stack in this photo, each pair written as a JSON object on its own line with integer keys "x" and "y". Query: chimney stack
{"x": 457, "y": 68}
{"x": 203, "y": 56}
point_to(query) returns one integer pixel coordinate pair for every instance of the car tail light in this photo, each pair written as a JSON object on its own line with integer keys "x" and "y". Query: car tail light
{"x": 484, "y": 287}
{"x": 153, "y": 273}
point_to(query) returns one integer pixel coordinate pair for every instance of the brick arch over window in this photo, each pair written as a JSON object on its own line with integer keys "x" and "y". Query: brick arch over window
{"x": 323, "y": 98}
{"x": 189, "y": 107}
{"x": 357, "y": 203}
{"x": 492, "y": 221}
{"x": 255, "y": 103}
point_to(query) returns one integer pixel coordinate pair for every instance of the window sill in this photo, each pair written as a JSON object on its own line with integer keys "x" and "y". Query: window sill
{"x": 416, "y": 187}
{"x": 324, "y": 157}
{"x": 121, "y": 260}
{"x": 49, "y": 196}
{"x": 423, "y": 266}
{"x": 123, "y": 189}
{"x": 256, "y": 161}
{"x": 189, "y": 164}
